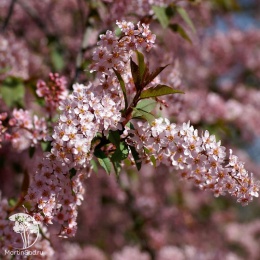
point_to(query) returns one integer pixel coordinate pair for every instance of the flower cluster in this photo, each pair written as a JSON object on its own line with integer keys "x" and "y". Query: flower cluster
{"x": 26, "y": 130}
{"x": 56, "y": 190}
{"x": 115, "y": 52}
{"x": 53, "y": 91}
{"x": 197, "y": 158}
{"x": 84, "y": 114}
{"x": 55, "y": 193}
{"x": 13, "y": 61}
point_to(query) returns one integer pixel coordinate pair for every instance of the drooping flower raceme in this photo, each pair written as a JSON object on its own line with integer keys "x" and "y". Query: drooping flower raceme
{"x": 198, "y": 158}
{"x": 53, "y": 92}
{"x": 56, "y": 191}
{"x": 115, "y": 52}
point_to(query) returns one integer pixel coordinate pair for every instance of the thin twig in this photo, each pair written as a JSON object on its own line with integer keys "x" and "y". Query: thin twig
{"x": 8, "y": 17}
{"x": 35, "y": 17}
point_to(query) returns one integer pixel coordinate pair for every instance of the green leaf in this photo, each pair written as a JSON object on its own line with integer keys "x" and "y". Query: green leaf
{"x": 31, "y": 151}
{"x": 46, "y": 146}
{"x": 12, "y": 202}
{"x": 137, "y": 159}
{"x": 94, "y": 165}
{"x": 4, "y": 69}
{"x": 12, "y": 92}
{"x": 146, "y": 150}
{"x": 120, "y": 153}
{"x": 143, "y": 114}
{"x": 117, "y": 167}
{"x": 159, "y": 90}
{"x": 146, "y": 105}
{"x": 103, "y": 160}
{"x": 130, "y": 125}
{"x": 114, "y": 137}
{"x": 135, "y": 74}
{"x": 141, "y": 64}
{"x": 122, "y": 85}
{"x": 160, "y": 13}
{"x": 72, "y": 172}
{"x": 153, "y": 160}
{"x": 178, "y": 29}
{"x": 185, "y": 16}
{"x": 154, "y": 74}
{"x": 57, "y": 57}
{"x": 227, "y": 5}
{"x": 118, "y": 32}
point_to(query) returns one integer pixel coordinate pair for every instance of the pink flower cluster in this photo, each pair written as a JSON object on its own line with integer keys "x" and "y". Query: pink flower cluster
{"x": 13, "y": 61}
{"x": 84, "y": 114}
{"x": 26, "y": 130}
{"x": 115, "y": 52}
{"x": 197, "y": 158}
{"x": 55, "y": 191}
{"x": 53, "y": 91}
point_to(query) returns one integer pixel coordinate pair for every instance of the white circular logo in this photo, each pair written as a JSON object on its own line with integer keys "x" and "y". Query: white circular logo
{"x": 28, "y": 229}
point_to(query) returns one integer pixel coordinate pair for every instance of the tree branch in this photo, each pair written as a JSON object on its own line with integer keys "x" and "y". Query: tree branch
{"x": 8, "y": 17}
{"x": 35, "y": 17}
